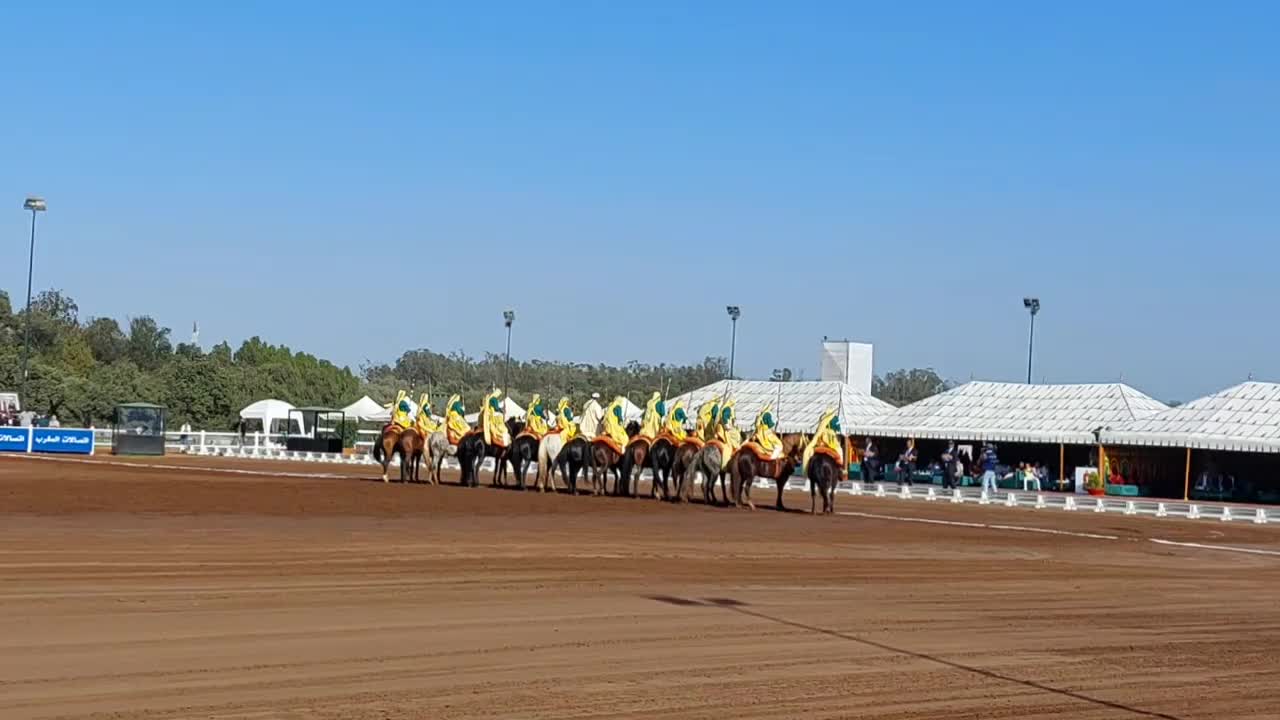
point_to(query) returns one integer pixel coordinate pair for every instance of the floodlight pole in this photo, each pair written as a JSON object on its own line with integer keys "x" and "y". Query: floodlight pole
{"x": 735, "y": 312}
{"x": 35, "y": 205}
{"x": 1033, "y": 306}
{"x": 508, "y": 319}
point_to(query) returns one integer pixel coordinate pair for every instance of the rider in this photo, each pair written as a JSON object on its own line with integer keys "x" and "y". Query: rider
{"x": 565, "y": 423}
{"x": 424, "y": 422}
{"x": 402, "y": 410}
{"x": 455, "y": 422}
{"x": 727, "y": 432}
{"x": 764, "y": 434}
{"x": 536, "y": 419}
{"x": 675, "y": 422}
{"x": 492, "y": 421}
{"x": 651, "y": 423}
{"x": 613, "y": 427}
{"x": 708, "y": 414}
{"x": 826, "y": 437}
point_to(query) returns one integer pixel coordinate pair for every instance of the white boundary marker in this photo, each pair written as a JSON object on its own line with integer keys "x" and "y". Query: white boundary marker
{"x": 1225, "y": 548}
{"x": 981, "y": 526}
{"x": 196, "y": 468}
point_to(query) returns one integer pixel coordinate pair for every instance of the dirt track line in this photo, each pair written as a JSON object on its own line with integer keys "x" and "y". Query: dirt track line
{"x": 1225, "y": 548}
{"x": 982, "y": 526}
{"x": 197, "y": 468}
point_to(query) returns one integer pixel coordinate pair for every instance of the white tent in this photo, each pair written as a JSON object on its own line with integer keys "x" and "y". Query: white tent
{"x": 509, "y": 410}
{"x": 367, "y": 409}
{"x": 274, "y": 416}
{"x": 1014, "y": 412}
{"x": 1244, "y": 418}
{"x": 796, "y": 405}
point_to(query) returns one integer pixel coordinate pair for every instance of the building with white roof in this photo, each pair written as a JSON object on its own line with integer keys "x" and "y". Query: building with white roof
{"x": 797, "y": 405}
{"x": 1242, "y": 418}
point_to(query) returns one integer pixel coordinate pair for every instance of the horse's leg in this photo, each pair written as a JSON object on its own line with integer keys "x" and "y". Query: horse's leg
{"x": 782, "y": 486}
{"x": 813, "y": 497}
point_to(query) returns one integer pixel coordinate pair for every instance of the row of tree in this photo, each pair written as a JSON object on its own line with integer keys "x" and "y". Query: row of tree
{"x": 80, "y": 369}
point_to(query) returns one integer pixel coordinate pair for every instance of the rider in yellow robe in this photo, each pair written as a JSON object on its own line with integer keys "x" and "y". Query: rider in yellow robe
{"x": 764, "y": 435}
{"x": 402, "y": 410}
{"x": 493, "y": 421}
{"x": 651, "y": 423}
{"x": 675, "y": 422}
{"x": 612, "y": 427}
{"x": 565, "y": 423}
{"x": 827, "y": 436}
{"x": 536, "y": 419}
{"x": 727, "y": 432}
{"x": 708, "y": 414}
{"x": 424, "y": 423}
{"x": 455, "y": 421}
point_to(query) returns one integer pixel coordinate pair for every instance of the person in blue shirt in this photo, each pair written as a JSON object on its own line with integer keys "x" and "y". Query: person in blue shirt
{"x": 989, "y": 462}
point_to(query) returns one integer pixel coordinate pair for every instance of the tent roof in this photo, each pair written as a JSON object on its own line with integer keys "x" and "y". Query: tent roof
{"x": 137, "y": 405}
{"x": 1245, "y": 417}
{"x": 797, "y": 405}
{"x": 366, "y": 408}
{"x": 1014, "y": 412}
{"x": 266, "y": 408}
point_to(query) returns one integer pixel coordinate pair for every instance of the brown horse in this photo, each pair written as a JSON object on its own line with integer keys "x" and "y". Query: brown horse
{"x": 605, "y": 459}
{"x": 635, "y": 458}
{"x": 662, "y": 456}
{"x": 412, "y": 446}
{"x": 385, "y": 448}
{"x": 746, "y": 466}
{"x": 824, "y": 474}
{"x": 681, "y": 465}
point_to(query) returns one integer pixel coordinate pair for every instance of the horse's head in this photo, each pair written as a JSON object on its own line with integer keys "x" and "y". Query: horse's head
{"x": 633, "y": 428}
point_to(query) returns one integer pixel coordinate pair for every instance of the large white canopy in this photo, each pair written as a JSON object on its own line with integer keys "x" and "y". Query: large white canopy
{"x": 273, "y": 414}
{"x": 797, "y": 406}
{"x": 1245, "y": 417}
{"x": 1014, "y": 412}
{"x": 367, "y": 409}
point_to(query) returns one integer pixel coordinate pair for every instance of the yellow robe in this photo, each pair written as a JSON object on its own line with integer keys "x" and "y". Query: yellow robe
{"x": 612, "y": 426}
{"x": 564, "y": 421}
{"x": 824, "y": 437}
{"x": 536, "y": 420}
{"x": 454, "y": 422}
{"x": 727, "y": 432}
{"x": 675, "y": 424}
{"x": 764, "y": 436}
{"x": 400, "y": 410}
{"x": 705, "y": 428}
{"x": 651, "y": 423}
{"x": 424, "y": 423}
{"x": 493, "y": 423}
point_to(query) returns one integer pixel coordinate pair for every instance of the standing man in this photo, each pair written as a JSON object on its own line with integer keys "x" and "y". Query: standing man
{"x": 989, "y": 462}
{"x": 869, "y": 454}
{"x": 949, "y": 465}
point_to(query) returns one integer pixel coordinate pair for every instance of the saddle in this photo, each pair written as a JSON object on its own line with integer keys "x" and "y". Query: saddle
{"x": 758, "y": 450}
{"x": 640, "y": 439}
{"x": 608, "y": 442}
{"x": 694, "y": 441}
{"x": 824, "y": 450}
{"x": 535, "y": 436}
{"x": 666, "y": 435}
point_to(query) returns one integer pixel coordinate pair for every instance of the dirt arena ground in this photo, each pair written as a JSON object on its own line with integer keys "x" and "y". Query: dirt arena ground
{"x": 190, "y": 588}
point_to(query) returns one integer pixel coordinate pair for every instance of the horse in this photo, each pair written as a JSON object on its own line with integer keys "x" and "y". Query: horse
{"x": 634, "y": 460}
{"x": 439, "y": 447}
{"x": 745, "y": 466}
{"x": 554, "y": 455}
{"x": 385, "y": 448}
{"x": 707, "y": 462}
{"x": 824, "y": 473}
{"x": 662, "y": 456}
{"x": 681, "y": 466}
{"x": 604, "y": 458}
{"x": 412, "y": 446}
{"x": 522, "y": 453}
{"x": 472, "y": 450}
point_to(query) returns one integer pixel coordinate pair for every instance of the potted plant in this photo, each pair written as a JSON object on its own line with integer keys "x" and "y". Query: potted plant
{"x": 1093, "y": 483}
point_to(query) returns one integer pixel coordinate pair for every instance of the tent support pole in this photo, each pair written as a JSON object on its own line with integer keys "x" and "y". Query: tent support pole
{"x": 1186, "y": 479}
{"x": 1062, "y": 465}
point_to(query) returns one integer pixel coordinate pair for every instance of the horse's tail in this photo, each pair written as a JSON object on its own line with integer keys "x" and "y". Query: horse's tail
{"x": 377, "y": 450}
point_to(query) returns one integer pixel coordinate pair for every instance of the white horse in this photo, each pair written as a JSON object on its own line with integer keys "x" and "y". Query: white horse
{"x": 440, "y": 447}
{"x": 548, "y": 450}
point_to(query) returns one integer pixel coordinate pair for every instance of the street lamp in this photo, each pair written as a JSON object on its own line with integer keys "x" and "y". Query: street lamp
{"x": 35, "y": 205}
{"x": 508, "y": 319}
{"x": 735, "y": 312}
{"x": 1033, "y": 306}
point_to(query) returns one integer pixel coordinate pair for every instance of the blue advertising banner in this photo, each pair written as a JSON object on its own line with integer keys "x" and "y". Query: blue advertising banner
{"x": 15, "y": 439}
{"x": 60, "y": 440}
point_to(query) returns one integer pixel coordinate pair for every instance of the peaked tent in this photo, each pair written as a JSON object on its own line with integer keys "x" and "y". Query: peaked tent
{"x": 367, "y": 409}
{"x": 797, "y": 405}
{"x": 1242, "y": 418}
{"x": 273, "y": 414}
{"x": 1014, "y": 412}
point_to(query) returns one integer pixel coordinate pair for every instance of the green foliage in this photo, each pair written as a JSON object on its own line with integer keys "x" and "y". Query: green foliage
{"x": 903, "y": 387}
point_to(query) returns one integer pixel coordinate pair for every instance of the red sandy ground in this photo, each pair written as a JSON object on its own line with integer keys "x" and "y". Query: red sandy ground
{"x": 184, "y": 591}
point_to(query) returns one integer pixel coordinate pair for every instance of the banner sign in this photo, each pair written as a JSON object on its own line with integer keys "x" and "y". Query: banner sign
{"x": 60, "y": 440}
{"x": 15, "y": 439}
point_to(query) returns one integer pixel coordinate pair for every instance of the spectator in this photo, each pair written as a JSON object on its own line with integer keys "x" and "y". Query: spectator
{"x": 949, "y": 462}
{"x": 869, "y": 455}
{"x": 907, "y": 462}
{"x": 989, "y": 461}
{"x": 185, "y": 436}
{"x": 53, "y": 422}
{"x": 26, "y": 418}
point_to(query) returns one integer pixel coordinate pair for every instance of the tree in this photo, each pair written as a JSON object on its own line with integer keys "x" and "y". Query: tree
{"x": 106, "y": 341}
{"x": 903, "y": 387}
{"x": 148, "y": 346}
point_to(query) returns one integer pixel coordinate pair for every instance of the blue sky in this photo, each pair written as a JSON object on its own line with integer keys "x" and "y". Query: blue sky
{"x": 619, "y": 172}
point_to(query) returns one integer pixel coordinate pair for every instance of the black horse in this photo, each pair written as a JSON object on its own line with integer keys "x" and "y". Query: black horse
{"x": 522, "y": 453}
{"x": 662, "y": 457}
{"x": 472, "y": 450}
{"x": 573, "y": 457}
{"x": 824, "y": 473}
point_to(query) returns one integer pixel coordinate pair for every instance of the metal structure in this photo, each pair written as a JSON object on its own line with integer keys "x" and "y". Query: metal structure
{"x": 735, "y": 312}
{"x": 35, "y": 205}
{"x": 508, "y": 319}
{"x": 138, "y": 429}
{"x": 1033, "y": 306}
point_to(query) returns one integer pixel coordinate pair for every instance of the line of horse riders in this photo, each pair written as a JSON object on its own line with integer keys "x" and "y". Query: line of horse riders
{"x": 604, "y": 444}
